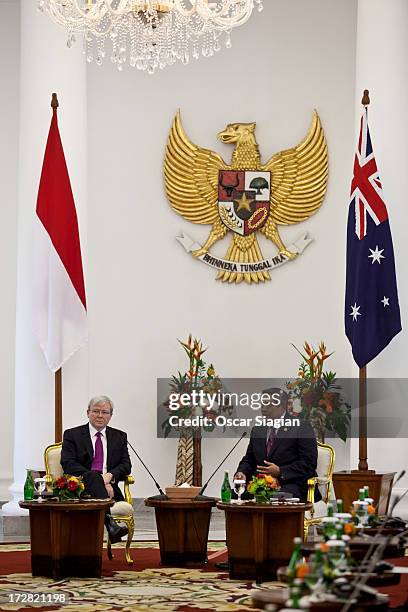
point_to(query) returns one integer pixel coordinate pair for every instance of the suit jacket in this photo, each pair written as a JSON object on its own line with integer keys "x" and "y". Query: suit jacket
{"x": 294, "y": 451}
{"x": 77, "y": 454}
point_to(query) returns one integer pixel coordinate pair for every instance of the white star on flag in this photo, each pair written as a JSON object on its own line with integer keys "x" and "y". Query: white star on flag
{"x": 376, "y": 255}
{"x": 385, "y": 301}
{"x": 355, "y": 311}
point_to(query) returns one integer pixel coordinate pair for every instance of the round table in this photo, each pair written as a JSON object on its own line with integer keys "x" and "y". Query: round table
{"x": 182, "y": 527}
{"x": 260, "y": 536}
{"x": 66, "y": 537}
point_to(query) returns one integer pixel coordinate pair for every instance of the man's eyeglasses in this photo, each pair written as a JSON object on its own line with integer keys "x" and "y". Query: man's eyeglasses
{"x": 102, "y": 412}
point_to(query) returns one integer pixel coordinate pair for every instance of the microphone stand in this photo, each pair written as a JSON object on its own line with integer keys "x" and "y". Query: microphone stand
{"x": 223, "y": 461}
{"x": 149, "y": 472}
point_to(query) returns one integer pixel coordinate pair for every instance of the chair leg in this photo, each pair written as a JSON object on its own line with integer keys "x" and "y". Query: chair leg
{"x": 131, "y": 529}
{"x": 305, "y": 532}
{"x": 109, "y": 549}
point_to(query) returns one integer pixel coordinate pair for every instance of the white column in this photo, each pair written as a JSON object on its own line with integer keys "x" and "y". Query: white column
{"x": 47, "y": 66}
{"x": 382, "y": 54}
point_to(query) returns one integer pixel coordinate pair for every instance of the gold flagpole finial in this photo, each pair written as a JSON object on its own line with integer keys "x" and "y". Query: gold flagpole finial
{"x": 366, "y": 98}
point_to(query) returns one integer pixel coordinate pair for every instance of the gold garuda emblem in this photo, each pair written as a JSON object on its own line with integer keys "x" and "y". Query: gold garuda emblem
{"x": 245, "y": 197}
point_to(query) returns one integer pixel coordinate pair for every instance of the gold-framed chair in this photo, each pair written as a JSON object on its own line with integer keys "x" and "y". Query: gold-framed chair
{"x": 323, "y": 480}
{"x": 122, "y": 511}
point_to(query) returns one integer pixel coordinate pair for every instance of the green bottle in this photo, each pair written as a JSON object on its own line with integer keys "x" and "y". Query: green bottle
{"x": 366, "y": 492}
{"x": 330, "y": 511}
{"x": 361, "y": 494}
{"x": 317, "y": 564}
{"x": 226, "y": 489}
{"x": 29, "y": 487}
{"x": 296, "y": 554}
{"x": 339, "y": 506}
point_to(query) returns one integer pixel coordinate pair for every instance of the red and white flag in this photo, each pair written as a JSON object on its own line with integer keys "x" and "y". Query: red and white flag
{"x": 59, "y": 302}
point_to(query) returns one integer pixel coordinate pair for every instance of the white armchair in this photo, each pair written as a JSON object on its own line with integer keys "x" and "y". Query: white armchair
{"x": 323, "y": 480}
{"x": 122, "y": 511}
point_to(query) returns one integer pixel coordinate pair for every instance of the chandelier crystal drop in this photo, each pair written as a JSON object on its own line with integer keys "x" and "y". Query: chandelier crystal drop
{"x": 150, "y": 34}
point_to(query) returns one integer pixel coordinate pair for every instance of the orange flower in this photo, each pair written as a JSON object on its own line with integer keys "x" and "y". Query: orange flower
{"x": 327, "y": 405}
{"x": 302, "y": 570}
{"x": 324, "y": 547}
{"x": 308, "y": 348}
{"x": 348, "y": 528}
{"x": 370, "y": 509}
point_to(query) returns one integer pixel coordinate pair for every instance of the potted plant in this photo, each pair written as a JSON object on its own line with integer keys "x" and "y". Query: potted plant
{"x": 316, "y": 395}
{"x": 199, "y": 377}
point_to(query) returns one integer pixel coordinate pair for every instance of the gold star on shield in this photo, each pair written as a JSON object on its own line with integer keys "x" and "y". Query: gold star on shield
{"x": 244, "y": 203}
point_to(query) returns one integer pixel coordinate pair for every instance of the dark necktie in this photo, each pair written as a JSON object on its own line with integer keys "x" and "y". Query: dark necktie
{"x": 97, "y": 463}
{"x": 270, "y": 441}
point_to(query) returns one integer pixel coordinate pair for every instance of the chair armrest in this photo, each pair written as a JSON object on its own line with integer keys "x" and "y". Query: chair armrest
{"x": 311, "y": 484}
{"x": 129, "y": 480}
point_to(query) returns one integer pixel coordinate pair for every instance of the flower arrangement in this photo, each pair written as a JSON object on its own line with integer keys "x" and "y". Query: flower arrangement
{"x": 198, "y": 377}
{"x": 68, "y": 487}
{"x": 316, "y": 395}
{"x": 262, "y": 486}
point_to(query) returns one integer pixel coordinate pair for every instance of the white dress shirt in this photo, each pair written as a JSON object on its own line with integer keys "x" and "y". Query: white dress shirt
{"x": 93, "y": 432}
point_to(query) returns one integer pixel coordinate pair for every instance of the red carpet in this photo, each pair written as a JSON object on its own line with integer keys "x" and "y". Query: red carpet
{"x": 18, "y": 562}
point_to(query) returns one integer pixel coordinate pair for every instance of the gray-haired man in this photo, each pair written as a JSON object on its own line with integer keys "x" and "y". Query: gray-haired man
{"x": 100, "y": 455}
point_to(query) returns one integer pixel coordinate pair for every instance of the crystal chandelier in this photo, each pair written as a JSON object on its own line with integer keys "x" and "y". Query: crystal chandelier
{"x": 150, "y": 34}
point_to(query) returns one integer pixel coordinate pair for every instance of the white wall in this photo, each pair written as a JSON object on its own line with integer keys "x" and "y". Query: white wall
{"x": 9, "y": 110}
{"x": 143, "y": 290}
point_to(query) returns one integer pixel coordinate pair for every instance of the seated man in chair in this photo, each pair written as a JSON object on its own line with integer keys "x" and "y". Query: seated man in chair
{"x": 100, "y": 455}
{"x": 289, "y": 453}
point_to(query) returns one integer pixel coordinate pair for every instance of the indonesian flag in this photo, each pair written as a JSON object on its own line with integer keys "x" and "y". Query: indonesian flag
{"x": 59, "y": 302}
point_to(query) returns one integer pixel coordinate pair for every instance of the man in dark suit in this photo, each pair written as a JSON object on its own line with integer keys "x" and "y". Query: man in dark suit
{"x": 289, "y": 453}
{"x": 100, "y": 455}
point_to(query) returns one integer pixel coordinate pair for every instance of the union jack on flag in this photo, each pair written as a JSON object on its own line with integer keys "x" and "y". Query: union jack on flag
{"x": 372, "y": 314}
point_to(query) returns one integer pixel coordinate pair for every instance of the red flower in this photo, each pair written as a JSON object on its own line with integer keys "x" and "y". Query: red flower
{"x": 72, "y": 485}
{"x": 60, "y": 482}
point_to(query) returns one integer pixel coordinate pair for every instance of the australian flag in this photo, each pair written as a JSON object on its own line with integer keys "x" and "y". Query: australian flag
{"x": 372, "y": 314}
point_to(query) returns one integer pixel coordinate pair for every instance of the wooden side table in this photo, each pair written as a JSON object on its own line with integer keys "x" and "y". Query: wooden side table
{"x": 66, "y": 537}
{"x": 260, "y": 537}
{"x": 346, "y": 486}
{"x": 182, "y": 526}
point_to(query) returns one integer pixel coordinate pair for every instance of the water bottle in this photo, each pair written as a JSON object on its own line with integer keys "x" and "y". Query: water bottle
{"x": 29, "y": 487}
{"x": 226, "y": 489}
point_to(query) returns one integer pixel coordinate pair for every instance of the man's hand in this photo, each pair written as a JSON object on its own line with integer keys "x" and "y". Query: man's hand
{"x": 107, "y": 477}
{"x": 269, "y": 468}
{"x": 239, "y": 476}
{"x": 109, "y": 490}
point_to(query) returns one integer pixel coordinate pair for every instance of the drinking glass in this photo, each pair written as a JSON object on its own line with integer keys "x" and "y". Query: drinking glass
{"x": 239, "y": 488}
{"x": 40, "y": 485}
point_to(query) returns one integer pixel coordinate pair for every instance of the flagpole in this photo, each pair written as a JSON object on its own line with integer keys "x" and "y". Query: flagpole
{"x": 58, "y": 373}
{"x": 362, "y": 386}
{"x": 362, "y": 421}
{"x": 58, "y": 405}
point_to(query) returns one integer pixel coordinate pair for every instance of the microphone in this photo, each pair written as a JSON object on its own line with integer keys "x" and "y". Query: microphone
{"x": 158, "y": 487}
{"x": 223, "y": 461}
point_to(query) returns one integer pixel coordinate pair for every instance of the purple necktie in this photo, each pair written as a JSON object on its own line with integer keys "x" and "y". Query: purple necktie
{"x": 97, "y": 463}
{"x": 270, "y": 441}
